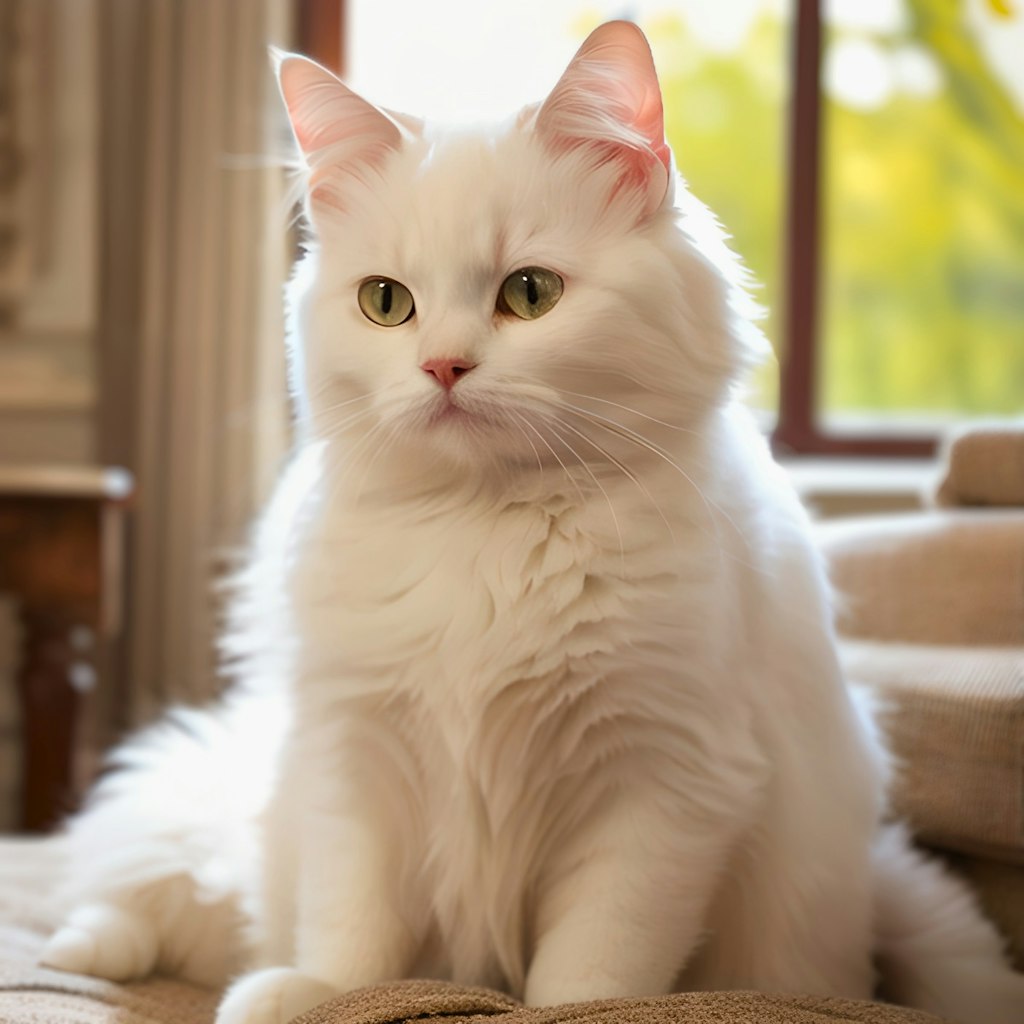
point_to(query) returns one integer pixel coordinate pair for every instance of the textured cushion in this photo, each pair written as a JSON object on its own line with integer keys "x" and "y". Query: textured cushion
{"x": 953, "y": 577}
{"x": 34, "y": 995}
{"x": 955, "y": 721}
{"x": 985, "y": 466}
{"x": 1000, "y": 890}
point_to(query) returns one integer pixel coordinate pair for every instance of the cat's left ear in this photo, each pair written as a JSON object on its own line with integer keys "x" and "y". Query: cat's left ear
{"x": 608, "y": 100}
{"x": 338, "y": 132}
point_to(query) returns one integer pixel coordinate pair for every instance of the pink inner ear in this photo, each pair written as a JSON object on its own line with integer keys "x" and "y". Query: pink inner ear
{"x": 633, "y": 87}
{"x": 336, "y": 129}
{"x": 650, "y": 123}
{"x": 609, "y": 98}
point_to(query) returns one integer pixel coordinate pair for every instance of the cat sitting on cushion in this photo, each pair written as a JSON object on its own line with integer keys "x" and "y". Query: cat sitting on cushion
{"x": 536, "y": 682}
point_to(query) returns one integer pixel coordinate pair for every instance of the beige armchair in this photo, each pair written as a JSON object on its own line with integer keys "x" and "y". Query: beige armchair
{"x": 932, "y": 618}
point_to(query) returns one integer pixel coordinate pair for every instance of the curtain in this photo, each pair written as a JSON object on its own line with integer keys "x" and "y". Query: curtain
{"x": 191, "y": 363}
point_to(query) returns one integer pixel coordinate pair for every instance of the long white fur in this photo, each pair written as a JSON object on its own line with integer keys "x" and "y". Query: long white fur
{"x": 544, "y": 697}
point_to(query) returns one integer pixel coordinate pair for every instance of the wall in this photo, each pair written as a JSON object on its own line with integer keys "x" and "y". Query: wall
{"x": 49, "y": 215}
{"x": 140, "y": 311}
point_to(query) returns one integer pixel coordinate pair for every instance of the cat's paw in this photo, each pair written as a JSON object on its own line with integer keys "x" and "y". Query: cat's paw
{"x": 105, "y": 941}
{"x": 273, "y": 996}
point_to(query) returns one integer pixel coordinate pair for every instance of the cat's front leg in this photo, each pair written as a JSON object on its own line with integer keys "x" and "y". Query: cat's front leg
{"x": 628, "y": 905}
{"x": 349, "y": 928}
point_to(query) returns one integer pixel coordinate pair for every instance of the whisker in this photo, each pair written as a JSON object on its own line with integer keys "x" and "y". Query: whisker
{"x": 342, "y": 427}
{"x": 351, "y": 459}
{"x": 634, "y": 412}
{"x": 335, "y": 431}
{"x": 627, "y": 434}
{"x": 600, "y": 486}
{"x": 565, "y": 468}
{"x": 626, "y": 471}
{"x": 390, "y": 436}
{"x": 519, "y": 422}
{"x": 327, "y": 410}
{"x": 607, "y": 370}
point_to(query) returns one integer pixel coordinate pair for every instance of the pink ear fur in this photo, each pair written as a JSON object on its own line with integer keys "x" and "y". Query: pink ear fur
{"x": 608, "y": 99}
{"x": 337, "y": 131}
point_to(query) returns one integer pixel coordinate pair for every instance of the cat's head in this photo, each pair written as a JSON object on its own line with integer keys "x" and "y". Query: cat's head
{"x": 519, "y": 296}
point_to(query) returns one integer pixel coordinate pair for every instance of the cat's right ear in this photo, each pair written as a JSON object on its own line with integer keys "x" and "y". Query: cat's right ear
{"x": 337, "y": 131}
{"x": 608, "y": 103}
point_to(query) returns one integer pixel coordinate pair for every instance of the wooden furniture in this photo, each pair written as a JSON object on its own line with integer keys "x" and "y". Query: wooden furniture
{"x": 61, "y": 548}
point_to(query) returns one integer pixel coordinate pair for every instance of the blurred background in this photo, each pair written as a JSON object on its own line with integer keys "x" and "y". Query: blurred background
{"x": 866, "y": 156}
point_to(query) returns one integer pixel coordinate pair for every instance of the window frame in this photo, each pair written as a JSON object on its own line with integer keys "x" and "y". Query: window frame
{"x": 798, "y": 430}
{"x": 320, "y": 31}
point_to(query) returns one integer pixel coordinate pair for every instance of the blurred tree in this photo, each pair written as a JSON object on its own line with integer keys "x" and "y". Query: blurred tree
{"x": 725, "y": 120}
{"x": 923, "y": 276}
{"x": 924, "y": 245}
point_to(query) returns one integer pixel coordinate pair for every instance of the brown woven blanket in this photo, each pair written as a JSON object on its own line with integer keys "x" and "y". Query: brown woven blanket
{"x": 416, "y": 1000}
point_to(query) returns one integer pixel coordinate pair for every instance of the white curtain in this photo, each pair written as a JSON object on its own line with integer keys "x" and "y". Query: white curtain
{"x": 192, "y": 393}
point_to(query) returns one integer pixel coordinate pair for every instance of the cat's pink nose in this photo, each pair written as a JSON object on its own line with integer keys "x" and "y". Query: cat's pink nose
{"x": 447, "y": 371}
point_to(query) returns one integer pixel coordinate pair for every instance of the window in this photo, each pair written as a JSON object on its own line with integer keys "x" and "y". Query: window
{"x": 923, "y": 206}
{"x": 914, "y": 314}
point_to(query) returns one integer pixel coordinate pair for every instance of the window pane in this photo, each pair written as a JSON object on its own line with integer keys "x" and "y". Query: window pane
{"x": 923, "y": 254}
{"x": 723, "y": 72}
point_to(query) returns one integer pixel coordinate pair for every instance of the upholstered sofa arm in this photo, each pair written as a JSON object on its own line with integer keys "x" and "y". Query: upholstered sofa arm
{"x": 931, "y": 619}
{"x": 944, "y": 577}
{"x": 954, "y": 718}
{"x": 984, "y": 465}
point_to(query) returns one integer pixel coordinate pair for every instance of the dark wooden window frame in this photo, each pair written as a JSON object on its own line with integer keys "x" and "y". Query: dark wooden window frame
{"x": 319, "y": 29}
{"x": 798, "y": 430}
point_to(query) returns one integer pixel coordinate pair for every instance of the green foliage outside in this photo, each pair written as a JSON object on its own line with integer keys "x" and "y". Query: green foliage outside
{"x": 725, "y": 120}
{"x": 923, "y": 254}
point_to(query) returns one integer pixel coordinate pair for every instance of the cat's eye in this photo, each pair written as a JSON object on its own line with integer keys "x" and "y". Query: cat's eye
{"x": 385, "y": 302}
{"x": 530, "y": 292}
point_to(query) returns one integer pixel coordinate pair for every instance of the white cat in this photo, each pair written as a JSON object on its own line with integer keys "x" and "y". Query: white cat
{"x": 537, "y": 684}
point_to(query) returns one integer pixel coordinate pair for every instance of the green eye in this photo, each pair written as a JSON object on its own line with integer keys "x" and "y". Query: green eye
{"x": 530, "y": 292}
{"x": 385, "y": 302}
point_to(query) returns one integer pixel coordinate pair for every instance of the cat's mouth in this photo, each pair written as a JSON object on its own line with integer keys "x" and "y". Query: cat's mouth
{"x": 451, "y": 413}
{"x": 449, "y": 410}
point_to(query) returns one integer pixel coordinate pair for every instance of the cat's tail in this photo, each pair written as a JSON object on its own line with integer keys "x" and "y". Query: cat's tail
{"x": 936, "y": 949}
{"x": 160, "y": 865}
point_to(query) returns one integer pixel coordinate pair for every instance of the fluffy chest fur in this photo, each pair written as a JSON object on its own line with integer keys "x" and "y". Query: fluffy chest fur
{"x": 492, "y": 674}
{"x": 457, "y": 602}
